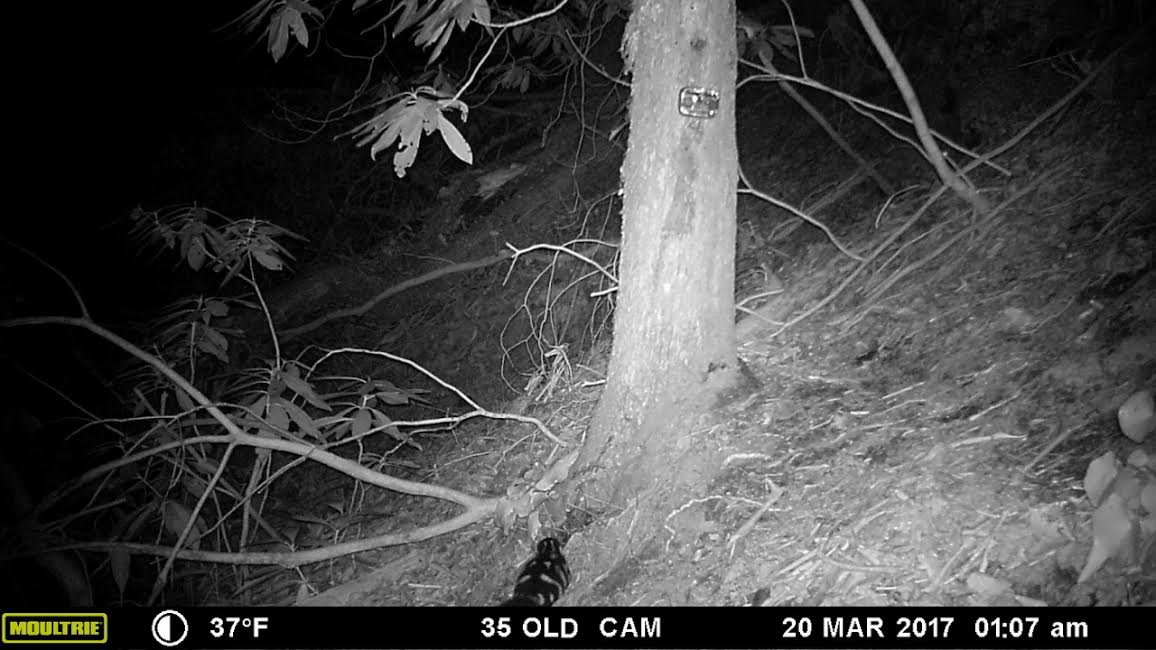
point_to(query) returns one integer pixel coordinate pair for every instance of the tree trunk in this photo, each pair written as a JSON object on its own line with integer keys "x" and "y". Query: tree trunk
{"x": 674, "y": 335}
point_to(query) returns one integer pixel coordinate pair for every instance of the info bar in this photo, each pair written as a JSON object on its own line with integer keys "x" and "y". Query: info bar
{"x": 586, "y": 627}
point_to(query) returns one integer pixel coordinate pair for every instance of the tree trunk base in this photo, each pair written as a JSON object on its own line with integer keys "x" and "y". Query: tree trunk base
{"x": 632, "y": 490}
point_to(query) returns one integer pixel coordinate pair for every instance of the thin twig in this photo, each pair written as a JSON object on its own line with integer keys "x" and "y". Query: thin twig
{"x": 749, "y": 524}
{"x": 365, "y": 307}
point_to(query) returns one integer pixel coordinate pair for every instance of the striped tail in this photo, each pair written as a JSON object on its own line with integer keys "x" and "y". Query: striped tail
{"x": 543, "y": 579}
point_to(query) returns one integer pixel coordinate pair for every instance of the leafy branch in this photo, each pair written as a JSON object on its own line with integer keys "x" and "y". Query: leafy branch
{"x": 176, "y": 460}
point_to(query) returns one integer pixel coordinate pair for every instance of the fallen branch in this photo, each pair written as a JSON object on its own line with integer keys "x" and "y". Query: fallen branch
{"x": 368, "y": 305}
{"x": 475, "y": 508}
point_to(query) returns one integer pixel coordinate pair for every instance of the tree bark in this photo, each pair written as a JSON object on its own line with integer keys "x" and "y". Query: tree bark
{"x": 674, "y": 335}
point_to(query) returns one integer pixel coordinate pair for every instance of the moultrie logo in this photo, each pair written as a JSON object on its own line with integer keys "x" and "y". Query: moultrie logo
{"x": 56, "y": 628}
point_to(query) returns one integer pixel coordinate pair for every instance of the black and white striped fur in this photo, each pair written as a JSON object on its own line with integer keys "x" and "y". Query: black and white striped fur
{"x": 543, "y": 579}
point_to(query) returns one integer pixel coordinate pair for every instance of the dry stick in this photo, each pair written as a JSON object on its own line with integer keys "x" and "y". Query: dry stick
{"x": 879, "y": 249}
{"x": 858, "y": 103}
{"x": 365, "y": 307}
{"x": 918, "y": 119}
{"x": 862, "y": 109}
{"x": 476, "y": 508}
{"x": 910, "y": 243}
{"x": 832, "y": 133}
{"x": 981, "y": 228}
{"x": 478, "y": 411}
{"x": 593, "y": 66}
{"x": 501, "y": 27}
{"x": 933, "y": 153}
{"x": 750, "y": 189}
{"x": 300, "y": 558}
{"x": 835, "y": 194}
{"x": 516, "y": 252}
{"x": 749, "y": 524}
{"x": 1064, "y": 435}
{"x": 182, "y": 384}
{"x": 64, "y": 278}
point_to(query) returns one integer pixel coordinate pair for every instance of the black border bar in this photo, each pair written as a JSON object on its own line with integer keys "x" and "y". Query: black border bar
{"x": 620, "y": 627}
